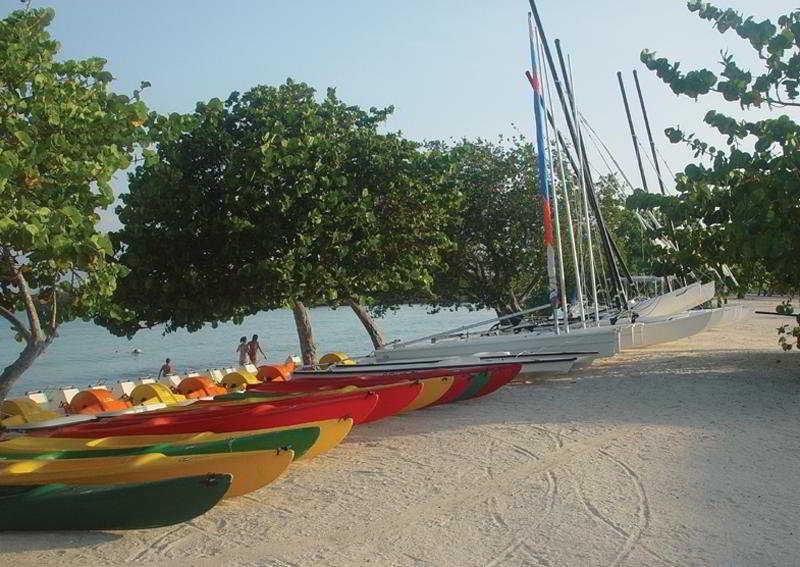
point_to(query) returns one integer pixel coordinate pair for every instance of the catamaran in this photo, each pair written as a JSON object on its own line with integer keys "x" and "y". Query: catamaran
{"x": 632, "y": 324}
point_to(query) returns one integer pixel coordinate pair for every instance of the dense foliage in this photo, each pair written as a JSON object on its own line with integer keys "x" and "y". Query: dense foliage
{"x": 275, "y": 198}
{"x": 63, "y": 135}
{"x": 498, "y": 257}
{"x": 740, "y": 204}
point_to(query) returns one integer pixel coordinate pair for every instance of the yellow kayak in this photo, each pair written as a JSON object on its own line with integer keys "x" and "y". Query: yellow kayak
{"x": 432, "y": 390}
{"x": 331, "y": 433}
{"x": 250, "y": 470}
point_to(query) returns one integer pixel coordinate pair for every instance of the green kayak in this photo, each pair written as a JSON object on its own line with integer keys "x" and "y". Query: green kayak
{"x": 113, "y": 507}
{"x": 298, "y": 439}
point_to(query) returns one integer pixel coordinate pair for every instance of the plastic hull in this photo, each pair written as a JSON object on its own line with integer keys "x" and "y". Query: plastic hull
{"x": 250, "y": 471}
{"x": 602, "y": 341}
{"x": 242, "y": 417}
{"x": 299, "y": 440}
{"x": 331, "y": 433}
{"x": 117, "y": 507}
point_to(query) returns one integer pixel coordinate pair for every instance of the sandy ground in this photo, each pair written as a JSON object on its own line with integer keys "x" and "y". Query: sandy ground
{"x": 685, "y": 454}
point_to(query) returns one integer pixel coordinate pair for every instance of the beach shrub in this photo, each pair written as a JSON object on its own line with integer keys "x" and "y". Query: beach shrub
{"x": 740, "y": 203}
{"x": 275, "y": 198}
{"x": 63, "y": 135}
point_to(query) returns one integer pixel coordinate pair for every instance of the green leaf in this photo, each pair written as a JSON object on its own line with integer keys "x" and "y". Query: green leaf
{"x": 24, "y": 138}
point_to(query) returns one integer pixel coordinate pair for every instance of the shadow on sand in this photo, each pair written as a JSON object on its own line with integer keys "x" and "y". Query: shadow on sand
{"x": 22, "y": 542}
{"x": 663, "y": 391}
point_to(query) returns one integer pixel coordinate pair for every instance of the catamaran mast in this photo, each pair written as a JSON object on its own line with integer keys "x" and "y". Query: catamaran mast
{"x": 605, "y": 236}
{"x": 554, "y": 196}
{"x": 612, "y": 253}
{"x": 562, "y": 177}
{"x": 633, "y": 130}
{"x": 544, "y": 184}
{"x": 649, "y": 132}
{"x": 584, "y": 190}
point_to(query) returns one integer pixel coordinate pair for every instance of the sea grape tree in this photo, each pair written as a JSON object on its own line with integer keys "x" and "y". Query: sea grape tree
{"x": 63, "y": 135}
{"x": 498, "y": 254}
{"x": 740, "y": 203}
{"x": 276, "y": 198}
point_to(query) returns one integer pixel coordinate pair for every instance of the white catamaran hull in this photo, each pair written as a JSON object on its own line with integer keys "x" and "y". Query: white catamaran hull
{"x": 707, "y": 292}
{"x": 368, "y": 365}
{"x": 677, "y": 327}
{"x": 671, "y": 303}
{"x": 592, "y": 342}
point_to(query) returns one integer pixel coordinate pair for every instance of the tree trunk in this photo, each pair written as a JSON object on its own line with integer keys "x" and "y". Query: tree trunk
{"x": 13, "y": 371}
{"x": 374, "y": 332}
{"x": 305, "y": 333}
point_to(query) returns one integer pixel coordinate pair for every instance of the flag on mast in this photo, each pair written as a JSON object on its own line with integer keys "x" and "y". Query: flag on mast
{"x": 544, "y": 181}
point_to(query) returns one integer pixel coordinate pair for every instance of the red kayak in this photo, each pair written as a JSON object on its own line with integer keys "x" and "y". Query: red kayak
{"x": 324, "y": 381}
{"x": 318, "y": 385}
{"x": 243, "y": 417}
{"x": 392, "y": 375}
{"x": 393, "y": 400}
{"x": 392, "y": 397}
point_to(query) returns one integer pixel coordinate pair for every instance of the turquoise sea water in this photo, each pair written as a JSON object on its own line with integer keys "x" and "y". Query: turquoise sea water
{"x": 84, "y": 353}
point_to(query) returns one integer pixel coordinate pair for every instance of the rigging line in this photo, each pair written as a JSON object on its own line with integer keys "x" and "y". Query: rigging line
{"x": 666, "y": 163}
{"x": 608, "y": 151}
{"x": 647, "y": 157}
{"x": 611, "y": 171}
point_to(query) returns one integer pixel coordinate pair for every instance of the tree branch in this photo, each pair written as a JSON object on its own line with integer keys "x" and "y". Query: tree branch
{"x": 54, "y": 315}
{"x": 770, "y": 100}
{"x": 16, "y": 324}
{"x": 30, "y": 308}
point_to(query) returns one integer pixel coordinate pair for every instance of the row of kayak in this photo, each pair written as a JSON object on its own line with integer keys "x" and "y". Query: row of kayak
{"x": 140, "y": 470}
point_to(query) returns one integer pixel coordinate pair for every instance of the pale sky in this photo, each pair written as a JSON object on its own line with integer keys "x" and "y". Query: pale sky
{"x": 451, "y": 68}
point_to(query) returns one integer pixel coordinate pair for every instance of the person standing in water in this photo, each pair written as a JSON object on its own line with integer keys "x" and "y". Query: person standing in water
{"x": 253, "y": 348}
{"x": 242, "y": 351}
{"x": 167, "y": 369}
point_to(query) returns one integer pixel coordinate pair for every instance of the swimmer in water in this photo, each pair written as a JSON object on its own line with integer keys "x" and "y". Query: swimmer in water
{"x": 167, "y": 369}
{"x": 136, "y": 351}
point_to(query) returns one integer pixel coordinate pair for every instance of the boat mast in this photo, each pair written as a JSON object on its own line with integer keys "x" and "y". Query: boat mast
{"x": 584, "y": 190}
{"x": 652, "y": 149}
{"x": 571, "y": 228}
{"x": 633, "y": 130}
{"x": 576, "y": 229}
{"x": 544, "y": 185}
{"x": 605, "y": 235}
{"x": 649, "y": 132}
{"x": 554, "y": 197}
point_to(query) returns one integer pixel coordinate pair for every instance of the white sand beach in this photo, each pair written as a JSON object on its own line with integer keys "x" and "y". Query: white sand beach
{"x": 684, "y": 454}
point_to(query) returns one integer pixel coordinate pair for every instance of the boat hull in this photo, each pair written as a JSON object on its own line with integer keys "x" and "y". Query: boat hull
{"x": 671, "y": 303}
{"x": 117, "y": 507}
{"x": 599, "y": 341}
{"x": 242, "y": 417}
{"x": 300, "y": 440}
{"x": 677, "y": 327}
{"x": 331, "y": 433}
{"x": 250, "y": 471}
